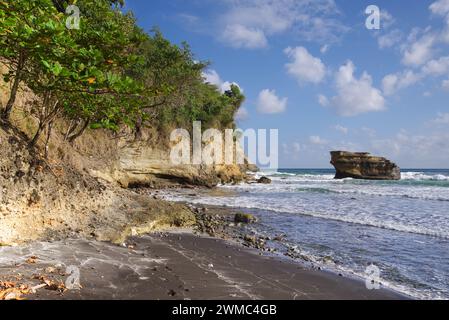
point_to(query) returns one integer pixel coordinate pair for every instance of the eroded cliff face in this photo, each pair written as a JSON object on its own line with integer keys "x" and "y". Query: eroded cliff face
{"x": 81, "y": 189}
{"x": 362, "y": 165}
{"x": 52, "y": 199}
{"x": 144, "y": 163}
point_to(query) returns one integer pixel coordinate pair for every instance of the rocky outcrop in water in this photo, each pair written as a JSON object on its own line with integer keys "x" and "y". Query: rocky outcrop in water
{"x": 362, "y": 165}
{"x": 264, "y": 180}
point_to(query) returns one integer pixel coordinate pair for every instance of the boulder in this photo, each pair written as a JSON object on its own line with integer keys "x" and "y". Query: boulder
{"x": 264, "y": 180}
{"x": 362, "y": 165}
{"x": 244, "y": 218}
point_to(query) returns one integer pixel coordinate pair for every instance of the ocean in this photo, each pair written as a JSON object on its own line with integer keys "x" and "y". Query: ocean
{"x": 401, "y": 227}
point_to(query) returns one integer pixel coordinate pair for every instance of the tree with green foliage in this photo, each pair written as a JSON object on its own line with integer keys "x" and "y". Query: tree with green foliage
{"x": 24, "y": 34}
{"x": 64, "y": 66}
{"x": 107, "y": 74}
{"x": 167, "y": 72}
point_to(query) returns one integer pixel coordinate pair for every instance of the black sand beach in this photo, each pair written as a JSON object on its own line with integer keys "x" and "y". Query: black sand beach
{"x": 179, "y": 266}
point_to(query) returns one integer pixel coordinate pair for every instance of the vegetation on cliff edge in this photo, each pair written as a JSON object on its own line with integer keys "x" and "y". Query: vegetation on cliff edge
{"x": 108, "y": 73}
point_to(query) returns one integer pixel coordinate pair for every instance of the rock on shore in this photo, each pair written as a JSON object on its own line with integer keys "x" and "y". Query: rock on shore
{"x": 362, "y": 165}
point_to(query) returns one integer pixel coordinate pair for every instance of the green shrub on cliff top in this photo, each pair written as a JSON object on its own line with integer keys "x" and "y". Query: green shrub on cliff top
{"x": 107, "y": 74}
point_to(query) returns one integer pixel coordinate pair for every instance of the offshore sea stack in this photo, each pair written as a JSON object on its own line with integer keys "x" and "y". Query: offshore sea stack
{"x": 362, "y": 165}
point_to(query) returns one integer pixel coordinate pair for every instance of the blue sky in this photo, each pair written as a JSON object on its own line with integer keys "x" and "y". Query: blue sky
{"x": 314, "y": 71}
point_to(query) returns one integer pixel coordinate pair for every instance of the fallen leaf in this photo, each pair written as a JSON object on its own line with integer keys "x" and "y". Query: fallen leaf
{"x": 11, "y": 294}
{"x": 31, "y": 260}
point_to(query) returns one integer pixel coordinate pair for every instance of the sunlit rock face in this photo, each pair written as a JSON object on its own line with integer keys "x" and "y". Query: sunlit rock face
{"x": 362, "y": 165}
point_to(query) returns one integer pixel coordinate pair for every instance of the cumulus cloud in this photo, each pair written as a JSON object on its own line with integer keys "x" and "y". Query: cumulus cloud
{"x": 445, "y": 84}
{"x": 387, "y": 19}
{"x": 317, "y": 140}
{"x": 303, "y": 66}
{"x": 442, "y": 118}
{"x": 419, "y": 51}
{"x": 324, "y": 49}
{"x": 437, "y": 67}
{"x": 414, "y": 150}
{"x": 239, "y": 36}
{"x": 341, "y": 129}
{"x": 389, "y": 39}
{"x": 391, "y": 83}
{"x": 242, "y": 114}
{"x": 440, "y": 7}
{"x": 323, "y": 100}
{"x": 269, "y": 103}
{"x": 249, "y": 23}
{"x": 355, "y": 95}
{"x": 212, "y": 77}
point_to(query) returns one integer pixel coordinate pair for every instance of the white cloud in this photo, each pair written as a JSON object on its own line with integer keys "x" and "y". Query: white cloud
{"x": 355, "y": 96}
{"x": 393, "y": 82}
{"x": 389, "y": 39}
{"x": 304, "y": 67}
{"x": 317, "y": 140}
{"x": 188, "y": 19}
{"x": 256, "y": 20}
{"x": 418, "y": 51}
{"x": 226, "y": 86}
{"x": 442, "y": 118}
{"x": 445, "y": 84}
{"x": 341, "y": 129}
{"x": 239, "y": 36}
{"x": 323, "y": 100}
{"x": 212, "y": 77}
{"x": 412, "y": 150}
{"x": 437, "y": 67}
{"x": 269, "y": 103}
{"x": 440, "y": 7}
{"x": 324, "y": 48}
{"x": 242, "y": 114}
{"x": 387, "y": 20}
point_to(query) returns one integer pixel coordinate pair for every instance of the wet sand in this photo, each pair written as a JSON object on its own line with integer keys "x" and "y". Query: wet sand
{"x": 175, "y": 266}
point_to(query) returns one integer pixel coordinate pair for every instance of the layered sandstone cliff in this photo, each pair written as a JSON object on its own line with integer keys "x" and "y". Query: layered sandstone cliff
{"x": 80, "y": 189}
{"x": 362, "y": 165}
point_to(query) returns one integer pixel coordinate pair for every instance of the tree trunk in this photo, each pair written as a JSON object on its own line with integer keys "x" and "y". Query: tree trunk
{"x": 70, "y": 130}
{"x": 75, "y": 136}
{"x": 15, "y": 87}
{"x": 37, "y": 135}
{"x": 138, "y": 130}
{"x": 49, "y": 128}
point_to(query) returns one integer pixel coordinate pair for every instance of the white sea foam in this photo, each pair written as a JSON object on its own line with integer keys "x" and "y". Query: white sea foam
{"x": 420, "y": 176}
{"x": 395, "y": 205}
{"x": 406, "y": 175}
{"x": 417, "y": 207}
{"x": 401, "y": 223}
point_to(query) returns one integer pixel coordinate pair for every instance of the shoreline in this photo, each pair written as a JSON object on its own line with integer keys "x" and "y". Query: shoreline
{"x": 176, "y": 265}
{"x": 306, "y": 235}
{"x": 217, "y": 259}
